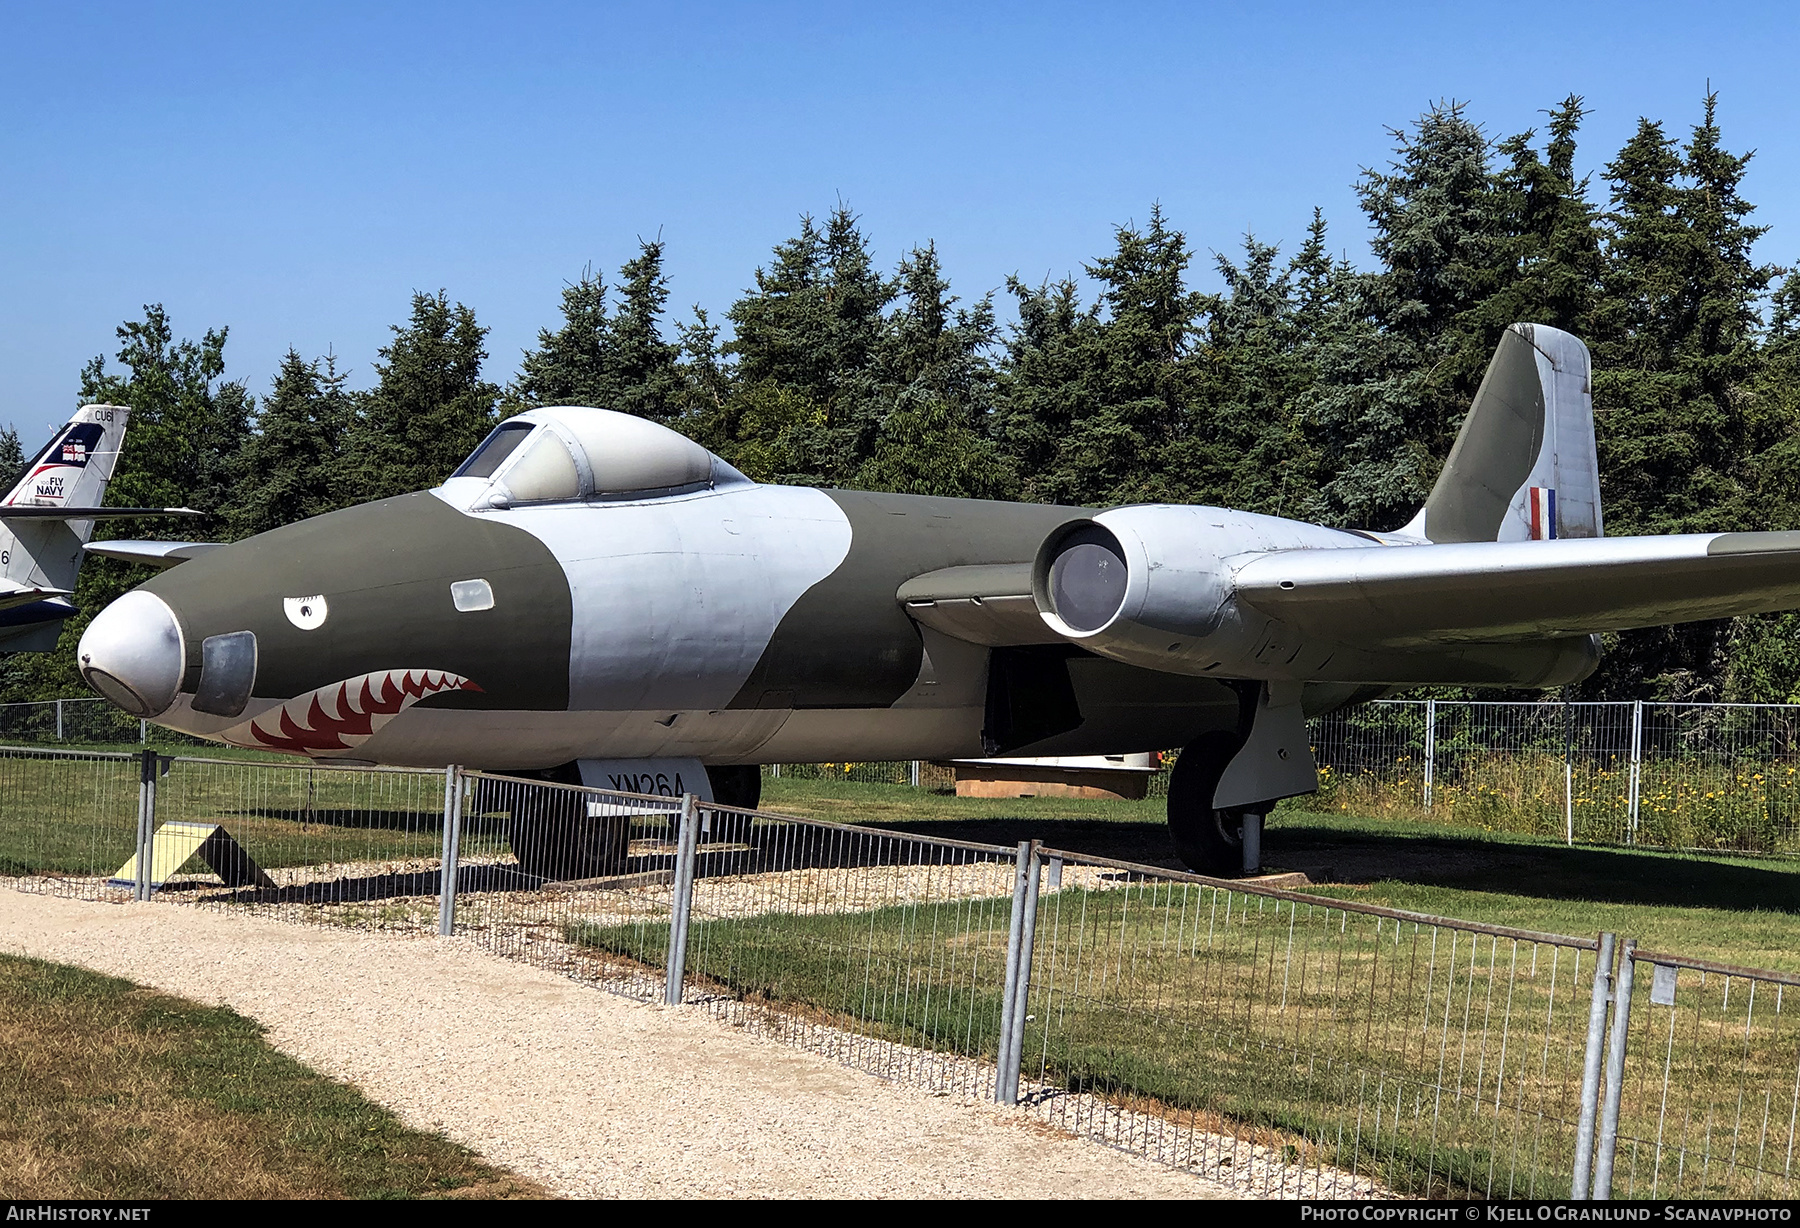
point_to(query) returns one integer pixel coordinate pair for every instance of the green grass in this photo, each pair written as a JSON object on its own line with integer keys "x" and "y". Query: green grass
{"x": 1731, "y": 909}
{"x": 108, "y": 1090}
{"x": 1727, "y": 907}
{"x": 1695, "y": 802}
{"x": 75, "y": 816}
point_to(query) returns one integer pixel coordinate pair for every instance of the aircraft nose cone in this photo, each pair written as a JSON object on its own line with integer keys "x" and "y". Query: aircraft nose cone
{"x": 132, "y": 653}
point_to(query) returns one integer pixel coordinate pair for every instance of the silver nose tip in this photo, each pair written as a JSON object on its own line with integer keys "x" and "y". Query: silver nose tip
{"x": 132, "y": 653}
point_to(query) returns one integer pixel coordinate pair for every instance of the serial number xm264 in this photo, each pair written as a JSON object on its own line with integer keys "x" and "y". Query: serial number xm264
{"x": 594, "y": 598}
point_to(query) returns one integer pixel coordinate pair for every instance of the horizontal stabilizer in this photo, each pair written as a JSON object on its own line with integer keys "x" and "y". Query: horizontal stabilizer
{"x": 12, "y": 594}
{"x": 28, "y": 511}
{"x": 1468, "y": 592}
{"x": 160, "y": 555}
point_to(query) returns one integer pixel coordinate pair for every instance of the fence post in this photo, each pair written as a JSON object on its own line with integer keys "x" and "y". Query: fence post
{"x": 915, "y": 773}
{"x": 1430, "y": 746}
{"x": 1568, "y": 775}
{"x": 681, "y": 903}
{"x": 1022, "y": 978}
{"x": 146, "y": 821}
{"x": 1590, "y": 1069}
{"x": 144, "y": 732}
{"x": 452, "y": 853}
{"x": 1006, "y": 1090}
{"x": 1615, "y": 1073}
{"x": 1637, "y": 759}
{"x": 59, "y": 727}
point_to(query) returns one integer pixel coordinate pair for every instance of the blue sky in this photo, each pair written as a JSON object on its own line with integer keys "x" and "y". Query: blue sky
{"x": 295, "y": 173}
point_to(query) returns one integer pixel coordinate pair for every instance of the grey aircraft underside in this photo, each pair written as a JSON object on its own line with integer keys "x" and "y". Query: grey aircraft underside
{"x": 593, "y": 597}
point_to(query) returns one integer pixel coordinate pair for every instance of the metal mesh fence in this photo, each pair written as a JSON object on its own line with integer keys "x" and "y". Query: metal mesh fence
{"x": 1684, "y": 776}
{"x": 77, "y": 720}
{"x": 66, "y": 820}
{"x": 1293, "y": 1045}
{"x": 918, "y": 773}
{"x": 1679, "y": 776}
{"x": 1710, "y": 1097}
{"x": 1278, "y": 1042}
{"x": 578, "y": 881}
{"x": 346, "y": 846}
{"x": 885, "y": 951}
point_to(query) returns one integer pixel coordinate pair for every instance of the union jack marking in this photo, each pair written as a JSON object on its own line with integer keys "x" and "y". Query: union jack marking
{"x": 345, "y": 714}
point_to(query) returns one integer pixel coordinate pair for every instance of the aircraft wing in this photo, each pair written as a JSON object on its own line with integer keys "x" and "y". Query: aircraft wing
{"x": 47, "y": 511}
{"x": 160, "y": 555}
{"x": 1421, "y": 596}
{"x": 1469, "y": 592}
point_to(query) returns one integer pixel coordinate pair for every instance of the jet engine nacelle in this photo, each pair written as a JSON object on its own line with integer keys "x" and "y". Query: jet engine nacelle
{"x": 1153, "y": 585}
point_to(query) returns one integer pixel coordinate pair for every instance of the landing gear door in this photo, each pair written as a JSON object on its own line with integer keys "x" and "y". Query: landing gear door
{"x": 657, "y": 777}
{"x": 1276, "y": 761}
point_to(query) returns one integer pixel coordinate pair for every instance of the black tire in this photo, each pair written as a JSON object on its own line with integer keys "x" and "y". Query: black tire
{"x": 554, "y": 837}
{"x": 1209, "y": 841}
{"x": 735, "y": 785}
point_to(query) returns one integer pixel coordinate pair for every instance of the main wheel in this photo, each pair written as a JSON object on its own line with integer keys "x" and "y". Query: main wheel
{"x": 554, "y": 837}
{"x": 1209, "y": 841}
{"x": 736, "y": 785}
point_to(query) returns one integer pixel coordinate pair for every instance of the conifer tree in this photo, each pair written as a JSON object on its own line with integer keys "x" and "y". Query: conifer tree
{"x": 430, "y": 406}
{"x": 805, "y": 407}
{"x": 643, "y": 363}
{"x": 1099, "y": 396}
{"x": 1248, "y": 447}
{"x": 292, "y": 461}
{"x": 706, "y": 378}
{"x": 1548, "y": 241}
{"x": 570, "y": 366}
{"x": 1674, "y": 364}
{"x": 12, "y": 459}
{"x": 1395, "y": 383}
{"x": 1046, "y": 383}
{"x": 936, "y": 391}
{"x": 612, "y": 361}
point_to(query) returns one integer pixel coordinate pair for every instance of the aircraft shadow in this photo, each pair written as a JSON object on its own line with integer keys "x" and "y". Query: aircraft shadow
{"x": 359, "y": 818}
{"x": 1471, "y": 863}
{"x": 1325, "y": 854}
{"x": 366, "y": 888}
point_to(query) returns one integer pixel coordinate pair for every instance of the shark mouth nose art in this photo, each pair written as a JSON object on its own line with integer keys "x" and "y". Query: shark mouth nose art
{"x": 343, "y": 715}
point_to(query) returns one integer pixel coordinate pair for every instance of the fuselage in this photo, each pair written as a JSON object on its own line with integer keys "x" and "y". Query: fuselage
{"x": 591, "y": 586}
{"x": 738, "y": 624}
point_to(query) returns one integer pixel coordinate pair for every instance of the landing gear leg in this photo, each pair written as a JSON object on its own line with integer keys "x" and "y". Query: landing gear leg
{"x": 1218, "y": 843}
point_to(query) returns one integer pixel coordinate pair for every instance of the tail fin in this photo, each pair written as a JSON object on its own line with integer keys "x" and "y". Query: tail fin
{"x": 75, "y": 466}
{"x": 40, "y": 549}
{"x": 1524, "y": 465}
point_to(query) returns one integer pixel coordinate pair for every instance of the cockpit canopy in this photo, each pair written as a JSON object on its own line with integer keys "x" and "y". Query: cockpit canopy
{"x": 569, "y": 452}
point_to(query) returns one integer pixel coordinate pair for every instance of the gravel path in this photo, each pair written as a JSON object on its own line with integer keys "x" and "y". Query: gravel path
{"x": 586, "y": 1092}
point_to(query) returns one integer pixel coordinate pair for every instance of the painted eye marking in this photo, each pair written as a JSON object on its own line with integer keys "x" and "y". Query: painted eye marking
{"x": 306, "y": 613}
{"x": 471, "y": 595}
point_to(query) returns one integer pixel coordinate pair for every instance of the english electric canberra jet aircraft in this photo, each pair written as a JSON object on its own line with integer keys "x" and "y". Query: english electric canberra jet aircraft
{"x": 592, "y": 597}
